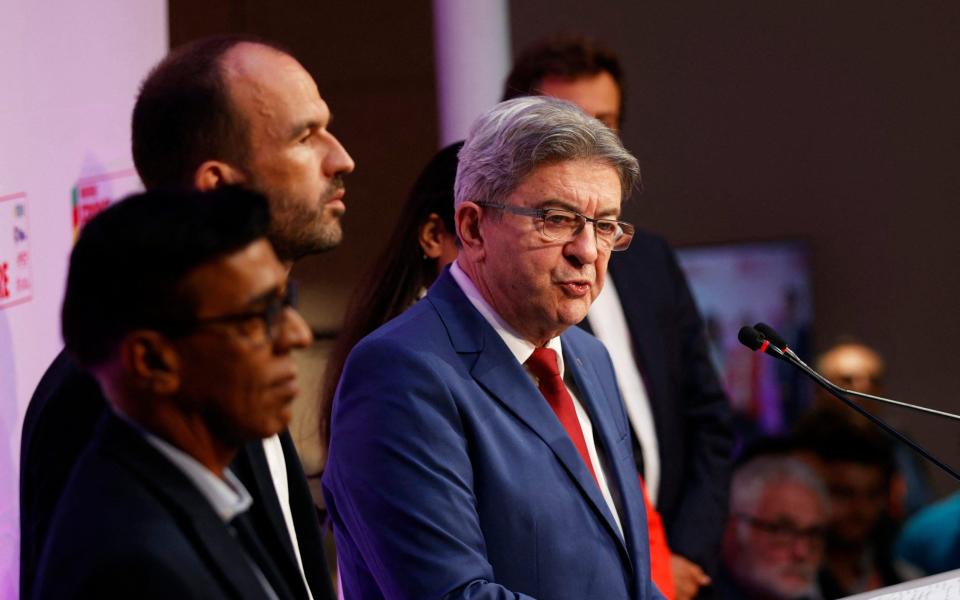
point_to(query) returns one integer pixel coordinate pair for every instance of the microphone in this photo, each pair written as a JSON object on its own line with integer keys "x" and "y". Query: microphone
{"x": 769, "y": 333}
{"x": 753, "y": 339}
{"x": 763, "y": 337}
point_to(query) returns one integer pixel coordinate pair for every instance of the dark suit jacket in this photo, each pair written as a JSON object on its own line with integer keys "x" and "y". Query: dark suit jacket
{"x": 449, "y": 476}
{"x": 60, "y": 421}
{"x": 690, "y": 410}
{"x": 130, "y": 524}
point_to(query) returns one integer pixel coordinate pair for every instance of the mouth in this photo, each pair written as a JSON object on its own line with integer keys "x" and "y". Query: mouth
{"x": 335, "y": 201}
{"x": 575, "y": 288}
{"x": 287, "y": 388}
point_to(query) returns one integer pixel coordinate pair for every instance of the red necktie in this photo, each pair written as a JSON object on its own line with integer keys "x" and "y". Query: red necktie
{"x": 543, "y": 365}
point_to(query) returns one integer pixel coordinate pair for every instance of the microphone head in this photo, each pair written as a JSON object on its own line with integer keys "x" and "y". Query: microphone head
{"x": 750, "y": 337}
{"x": 770, "y": 334}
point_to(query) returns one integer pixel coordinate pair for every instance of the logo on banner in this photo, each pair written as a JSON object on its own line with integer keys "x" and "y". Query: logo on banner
{"x": 16, "y": 282}
{"x": 93, "y": 194}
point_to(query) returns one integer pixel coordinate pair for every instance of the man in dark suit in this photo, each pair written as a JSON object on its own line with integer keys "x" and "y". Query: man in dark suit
{"x": 479, "y": 445}
{"x": 649, "y": 322}
{"x": 199, "y": 122}
{"x": 179, "y": 307}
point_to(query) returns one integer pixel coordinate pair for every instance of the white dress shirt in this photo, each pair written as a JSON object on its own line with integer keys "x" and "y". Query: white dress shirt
{"x": 609, "y": 324}
{"x": 278, "y": 473}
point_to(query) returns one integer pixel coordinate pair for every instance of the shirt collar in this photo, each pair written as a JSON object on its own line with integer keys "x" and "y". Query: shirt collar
{"x": 518, "y": 346}
{"x": 227, "y": 496}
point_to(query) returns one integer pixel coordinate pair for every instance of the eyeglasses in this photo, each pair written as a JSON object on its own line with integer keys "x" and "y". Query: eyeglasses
{"x": 563, "y": 225}
{"x": 271, "y": 317}
{"x": 785, "y": 533}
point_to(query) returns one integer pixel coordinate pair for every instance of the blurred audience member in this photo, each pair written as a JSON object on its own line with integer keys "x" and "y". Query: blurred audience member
{"x": 858, "y": 367}
{"x": 930, "y": 539}
{"x": 856, "y": 464}
{"x": 774, "y": 539}
{"x": 647, "y": 319}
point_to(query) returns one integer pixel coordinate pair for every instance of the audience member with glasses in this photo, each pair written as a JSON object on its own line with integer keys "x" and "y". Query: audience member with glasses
{"x": 774, "y": 541}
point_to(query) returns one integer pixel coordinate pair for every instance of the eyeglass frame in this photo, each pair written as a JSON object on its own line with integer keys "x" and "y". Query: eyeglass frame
{"x": 271, "y": 315}
{"x": 540, "y": 214}
{"x": 785, "y": 534}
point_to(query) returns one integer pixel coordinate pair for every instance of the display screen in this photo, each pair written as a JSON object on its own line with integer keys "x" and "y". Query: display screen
{"x": 741, "y": 284}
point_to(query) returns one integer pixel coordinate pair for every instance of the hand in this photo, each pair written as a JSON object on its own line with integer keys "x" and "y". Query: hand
{"x": 688, "y": 578}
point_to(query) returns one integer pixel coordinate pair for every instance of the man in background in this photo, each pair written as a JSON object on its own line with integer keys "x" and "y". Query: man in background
{"x": 854, "y": 365}
{"x": 647, "y": 319}
{"x": 774, "y": 538}
{"x": 178, "y": 306}
{"x": 856, "y": 464}
{"x": 226, "y": 110}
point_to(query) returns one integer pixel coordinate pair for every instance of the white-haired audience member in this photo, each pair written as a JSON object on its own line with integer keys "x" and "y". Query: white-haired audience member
{"x": 774, "y": 541}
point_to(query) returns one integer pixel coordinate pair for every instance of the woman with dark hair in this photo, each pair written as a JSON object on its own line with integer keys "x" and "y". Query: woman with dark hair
{"x": 423, "y": 243}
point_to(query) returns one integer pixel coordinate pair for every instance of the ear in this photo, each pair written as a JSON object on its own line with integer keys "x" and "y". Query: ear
{"x": 431, "y": 236}
{"x": 467, "y": 220}
{"x": 151, "y": 361}
{"x": 214, "y": 173}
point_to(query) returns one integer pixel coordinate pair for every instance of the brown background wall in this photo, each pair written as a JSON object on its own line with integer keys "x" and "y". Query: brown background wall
{"x": 834, "y": 122}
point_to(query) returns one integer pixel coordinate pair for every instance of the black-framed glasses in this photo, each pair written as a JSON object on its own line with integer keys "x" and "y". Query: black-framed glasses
{"x": 784, "y": 533}
{"x": 270, "y": 316}
{"x": 562, "y": 225}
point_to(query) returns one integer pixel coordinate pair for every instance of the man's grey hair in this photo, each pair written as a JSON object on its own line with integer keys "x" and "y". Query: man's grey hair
{"x": 753, "y": 478}
{"x": 515, "y": 137}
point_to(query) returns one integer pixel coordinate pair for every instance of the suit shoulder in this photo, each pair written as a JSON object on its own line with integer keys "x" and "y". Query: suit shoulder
{"x": 66, "y": 397}
{"x": 583, "y": 340}
{"x": 647, "y": 245}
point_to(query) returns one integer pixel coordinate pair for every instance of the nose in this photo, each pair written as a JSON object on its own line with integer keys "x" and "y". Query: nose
{"x": 294, "y": 331}
{"x": 337, "y": 161}
{"x": 582, "y": 248}
{"x": 802, "y": 548}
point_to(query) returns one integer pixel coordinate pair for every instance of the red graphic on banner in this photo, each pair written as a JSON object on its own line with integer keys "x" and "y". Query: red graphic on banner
{"x": 95, "y": 193}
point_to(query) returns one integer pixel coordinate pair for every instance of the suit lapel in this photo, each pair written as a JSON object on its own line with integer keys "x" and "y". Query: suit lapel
{"x": 201, "y": 524}
{"x": 252, "y": 469}
{"x": 630, "y": 292}
{"x": 590, "y": 391}
{"x": 497, "y": 371}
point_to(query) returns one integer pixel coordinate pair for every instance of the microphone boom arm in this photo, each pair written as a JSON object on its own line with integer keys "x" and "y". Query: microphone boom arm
{"x": 754, "y": 340}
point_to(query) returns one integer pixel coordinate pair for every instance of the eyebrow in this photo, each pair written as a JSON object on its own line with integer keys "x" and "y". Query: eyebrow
{"x": 558, "y": 203}
{"x": 266, "y": 296}
{"x": 309, "y": 125}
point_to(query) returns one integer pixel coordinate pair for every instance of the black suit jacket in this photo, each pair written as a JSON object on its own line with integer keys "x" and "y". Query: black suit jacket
{"x": 60, "y": 422}
{"x": 690, "y": 411}
{"x": 130, "y": 524}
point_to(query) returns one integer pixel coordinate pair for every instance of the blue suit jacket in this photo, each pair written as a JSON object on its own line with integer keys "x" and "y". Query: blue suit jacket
{"x": 449, "y": 476}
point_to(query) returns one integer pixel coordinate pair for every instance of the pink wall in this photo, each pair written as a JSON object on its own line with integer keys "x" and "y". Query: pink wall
{"x": 69, "y": 72}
